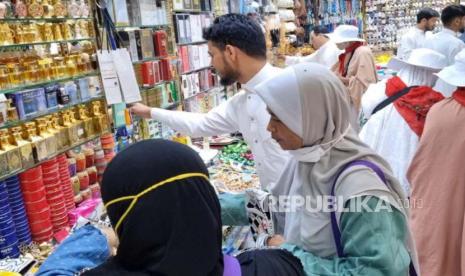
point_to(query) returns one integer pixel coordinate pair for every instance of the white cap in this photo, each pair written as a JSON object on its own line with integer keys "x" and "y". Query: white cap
{"x": 345, "y": 33}
{"x": 455, "y": 74}
{"x": 421, "y": 57}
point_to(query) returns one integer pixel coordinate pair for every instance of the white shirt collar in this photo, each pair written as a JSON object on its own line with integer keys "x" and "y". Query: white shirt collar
{"x": 449, "y": 31}
{"x": 261, "y": 76}
{"x": 417, "y": 30}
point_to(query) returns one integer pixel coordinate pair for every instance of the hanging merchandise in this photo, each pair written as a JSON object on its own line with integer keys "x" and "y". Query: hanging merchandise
{"x": 336, "y": 12}
{"x": 387, "y": 21}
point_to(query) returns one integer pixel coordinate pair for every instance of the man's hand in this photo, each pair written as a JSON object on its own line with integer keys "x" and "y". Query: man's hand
{"x": 276, "y": 240}
{"x": 141, "y": 110}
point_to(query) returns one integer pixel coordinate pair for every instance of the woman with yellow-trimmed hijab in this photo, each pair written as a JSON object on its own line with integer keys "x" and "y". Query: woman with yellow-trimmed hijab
{"x": 167, "y": 218}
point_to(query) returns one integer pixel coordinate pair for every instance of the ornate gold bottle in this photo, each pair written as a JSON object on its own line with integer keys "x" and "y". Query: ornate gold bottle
{"x": 77, "y": 127}
{"x": 87, "y": 121}
{"x": 70, "y": 128}
{"x": 50, "y": 139}
{"x": 74, "y": 114}
{"x": 60, "y": 125}
{"x": 25, "y": 147}
{"x": 10, "y": 153}
{"x": 100, "y": 119}
{"x": 39, "y": 146}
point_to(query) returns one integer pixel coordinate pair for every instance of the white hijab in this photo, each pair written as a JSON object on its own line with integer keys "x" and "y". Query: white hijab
{"x": 310, "y": 100}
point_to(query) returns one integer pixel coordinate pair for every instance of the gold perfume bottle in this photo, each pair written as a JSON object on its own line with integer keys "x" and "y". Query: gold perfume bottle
{"x": 59, "y": 8}
{"x": 4, "y": 79}
{"x": 73, "y": 130}
{"x": 35, "y": 9}
{"x": 66, "y": 30}
{"x": 12, "y": 113}
{"x": 39, "y": 147}
{"x": 54, "y": 131}
{"x": 63, "y": 127}
{"x": 79, "y": 124}
{"x": 11, "y": 152}
{"x": 48, "y": 9}
{"x": 50, "y": 139}
{"x": 25, "y": 147}
{"x": 100, "y": 119}
{"x": 88, "y": 122}
{"x": 57, "y": 32}
{"x": 15, "y": 74}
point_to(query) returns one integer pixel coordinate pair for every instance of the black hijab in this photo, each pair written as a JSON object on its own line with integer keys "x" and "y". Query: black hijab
{"x": 172, "y": 230}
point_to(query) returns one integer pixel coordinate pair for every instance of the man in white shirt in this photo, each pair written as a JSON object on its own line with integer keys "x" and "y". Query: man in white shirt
{"x": 447, "y": 42}
{"x": 462, "y": 31}
{"x": 326, "y": 52}
{"x": 237, "y": 47}
{"x": 415, "y": 38}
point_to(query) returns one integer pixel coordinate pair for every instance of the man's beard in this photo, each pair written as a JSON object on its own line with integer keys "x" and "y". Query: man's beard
{"x": 230, "y": 76}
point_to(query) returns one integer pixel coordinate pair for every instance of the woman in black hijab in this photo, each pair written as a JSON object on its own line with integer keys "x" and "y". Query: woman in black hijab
{"x": 168, "y": 219}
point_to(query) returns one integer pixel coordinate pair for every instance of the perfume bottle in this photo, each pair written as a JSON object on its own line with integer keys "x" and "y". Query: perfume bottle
{"x": 20, "y": 9}
{"x": 63, "y": 136}
{"x": 59, "y": 8}
{"x": 87, "y": 121}
{"x": 11, "y": 152}
{"x": 57, "y": 32}
{"x": 25, "y": 148}
{"x": 50, "y": 139}
{"x": 12, "y": 113}
{"x": 79, "y": 124}
{"x": 74, "y": 128}
{"x": 4, "y": 79}
{"x": 48, "y": 9}
{"x": 66, "y": 31}
{"x": 15, "y": 74}
{"x": 84, "y": 9}
{"x": 39, "y": 146}
{"x": 100, "y": 119}
{"x": 35, "y": 9}
{"x": 73, "y": 9}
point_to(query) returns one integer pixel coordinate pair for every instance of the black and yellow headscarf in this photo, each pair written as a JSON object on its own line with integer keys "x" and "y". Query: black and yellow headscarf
{"x": 164, "y": 210}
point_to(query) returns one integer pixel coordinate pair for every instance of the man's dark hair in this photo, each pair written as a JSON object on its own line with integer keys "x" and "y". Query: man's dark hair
{"x": 317, "y": 30}
{"x": 239, "y": 31}
{"x": 426, "y": 13}
{"x": 450, "y": 13}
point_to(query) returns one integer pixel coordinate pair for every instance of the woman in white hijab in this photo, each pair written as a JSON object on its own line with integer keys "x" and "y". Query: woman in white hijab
{"x": 310, "y": 111}
{"x": 394, "y": 130}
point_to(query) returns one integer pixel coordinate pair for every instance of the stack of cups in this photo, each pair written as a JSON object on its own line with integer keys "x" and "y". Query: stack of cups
{"x": 65, "y": 180}
{"x": 37, "y": 207}
{"x": 108, "y": 145}
{"x": 18, "y": 211}
{"x": 100, "y": 163}
{"x": 54, "y": 194}
{"x": 9, "y": 244}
